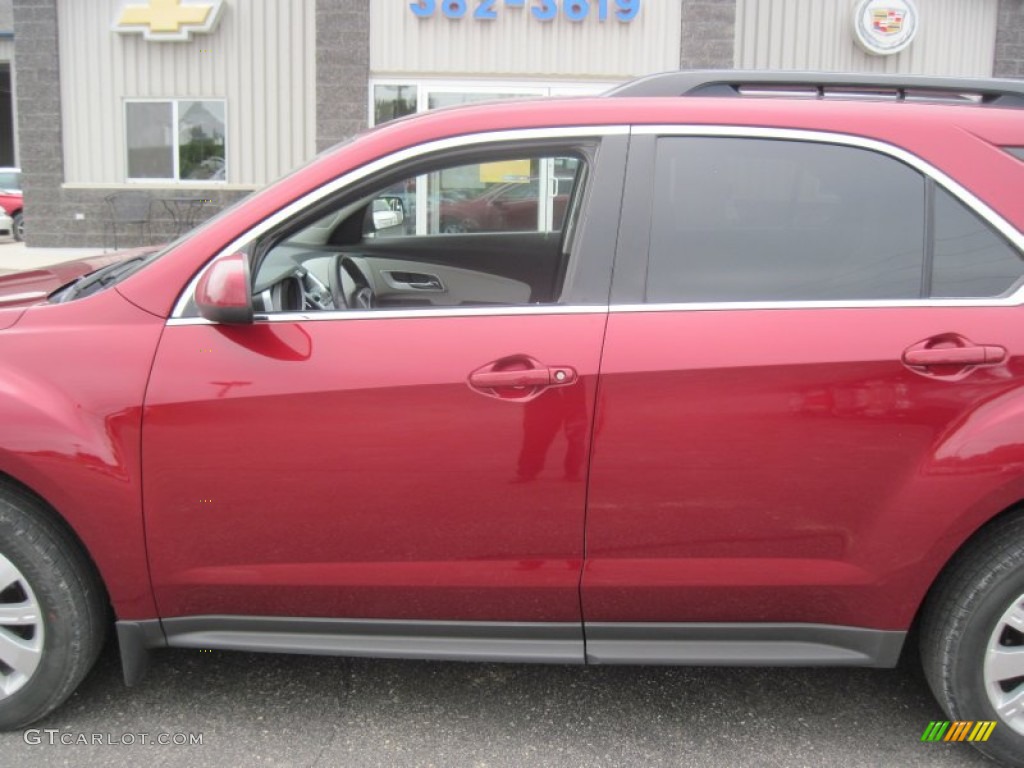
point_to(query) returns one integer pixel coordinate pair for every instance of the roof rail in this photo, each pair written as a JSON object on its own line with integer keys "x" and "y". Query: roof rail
{"x": 730, "y": 82}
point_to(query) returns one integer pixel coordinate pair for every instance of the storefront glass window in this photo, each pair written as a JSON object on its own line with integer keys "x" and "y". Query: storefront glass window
{"x": 176, "y": 140}
{"x": 399, "y": 98}
{"x": 393, "y": 101}
{"x": 201, "y": 140}
{"x": 439, "y": 99}
{"x": 150, "y": 140}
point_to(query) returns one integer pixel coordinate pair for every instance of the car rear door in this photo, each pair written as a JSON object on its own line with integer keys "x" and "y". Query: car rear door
{"x": 420, "y": 461}
{"x": 807, "y": 333}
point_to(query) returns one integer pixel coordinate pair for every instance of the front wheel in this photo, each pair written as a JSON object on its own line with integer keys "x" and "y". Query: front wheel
{"x": 972, "y": 639}
{"x": 18, "y": 224}
{"x": 51, "y": 611}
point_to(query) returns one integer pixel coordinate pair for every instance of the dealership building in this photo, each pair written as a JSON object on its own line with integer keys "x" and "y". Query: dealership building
{"x": 181, "y": 107}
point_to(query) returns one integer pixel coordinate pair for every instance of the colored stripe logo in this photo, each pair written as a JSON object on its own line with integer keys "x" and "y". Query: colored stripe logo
{"x": 960, "y": 730}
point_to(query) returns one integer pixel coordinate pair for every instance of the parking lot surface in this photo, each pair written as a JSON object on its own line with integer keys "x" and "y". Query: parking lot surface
{"x": 267, "y": 710}
{"x": 15, "y": 256}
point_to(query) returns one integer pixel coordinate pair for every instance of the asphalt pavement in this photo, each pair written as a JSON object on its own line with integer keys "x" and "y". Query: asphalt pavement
{"x": 269, "y": 710}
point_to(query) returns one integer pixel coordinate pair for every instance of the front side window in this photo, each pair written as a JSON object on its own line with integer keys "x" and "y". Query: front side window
{"x": 739, "y": 219}
{"x": 177, "y": 140}
{"x": 520, "y": 195}
{"x": 495, "y": 232}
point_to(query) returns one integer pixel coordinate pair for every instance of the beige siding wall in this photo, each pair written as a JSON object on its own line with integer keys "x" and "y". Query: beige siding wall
{"x": 515, "y": 44}
{"x": 6, "y": 49}
{"x": 956, "y": 37}
{"x": 261, "y": 59}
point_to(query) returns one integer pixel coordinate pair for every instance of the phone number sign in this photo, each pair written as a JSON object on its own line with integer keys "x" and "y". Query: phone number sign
{"x": 542, "y": 10}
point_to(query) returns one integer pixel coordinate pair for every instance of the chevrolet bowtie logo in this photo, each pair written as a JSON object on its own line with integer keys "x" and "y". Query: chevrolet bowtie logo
{"x": 172, "y": 20}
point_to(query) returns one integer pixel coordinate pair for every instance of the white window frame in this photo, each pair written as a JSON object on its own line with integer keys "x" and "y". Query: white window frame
{"x": 176, "y": 146}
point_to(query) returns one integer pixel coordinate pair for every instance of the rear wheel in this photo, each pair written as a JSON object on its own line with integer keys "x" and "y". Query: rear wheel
{"x": 52, "y": 612}
{"x": 18, "y": 223}
{"x": 972, "y": 638}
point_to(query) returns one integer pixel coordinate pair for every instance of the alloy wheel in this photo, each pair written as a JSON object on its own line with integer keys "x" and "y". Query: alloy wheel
{"x": 1004, "y": 666}
{"x": 21, "y": 630}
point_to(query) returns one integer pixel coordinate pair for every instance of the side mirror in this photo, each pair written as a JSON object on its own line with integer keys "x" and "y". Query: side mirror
{"x": 222, "y": 294}
{"x": 388, "y": 211}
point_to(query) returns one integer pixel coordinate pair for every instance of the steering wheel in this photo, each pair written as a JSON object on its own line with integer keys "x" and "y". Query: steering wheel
{"x": 361, "y": 296}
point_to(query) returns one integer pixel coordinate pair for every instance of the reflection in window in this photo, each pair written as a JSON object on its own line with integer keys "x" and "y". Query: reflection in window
{"x": 201, "y": 140}
{"x": 393, "y": 101}
{"x": 521, "y": 195}
{"x": 181, "y": 140}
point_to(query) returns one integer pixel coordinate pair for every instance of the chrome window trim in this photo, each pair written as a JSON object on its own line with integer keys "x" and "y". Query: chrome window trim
{"x": 554, "y": 309}
{"x": 956, "y": 189}
{"x": 440, "y": 145}
{"x": 1014, "y": 300}
{"x": 399, "y": 314}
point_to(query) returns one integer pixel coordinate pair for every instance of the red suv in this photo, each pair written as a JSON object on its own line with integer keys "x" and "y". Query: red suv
{"x": 755, "y": 396}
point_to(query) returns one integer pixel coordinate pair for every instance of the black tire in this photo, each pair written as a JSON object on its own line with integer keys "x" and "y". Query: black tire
{"x": 961, "y": 615}
{"x": 18, "y": 226}
{"x": 71, "y": 601}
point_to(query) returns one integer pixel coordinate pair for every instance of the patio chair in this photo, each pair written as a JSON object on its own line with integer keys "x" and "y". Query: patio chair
{"x": 128, "y": 209}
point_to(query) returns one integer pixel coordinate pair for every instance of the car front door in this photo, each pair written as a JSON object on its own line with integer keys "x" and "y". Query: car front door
{"x": 802, "y": 347}
{"x": 403, "y": 433}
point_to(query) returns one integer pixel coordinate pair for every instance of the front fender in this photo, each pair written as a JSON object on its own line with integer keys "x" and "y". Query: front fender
{"x": 71, "y": 389}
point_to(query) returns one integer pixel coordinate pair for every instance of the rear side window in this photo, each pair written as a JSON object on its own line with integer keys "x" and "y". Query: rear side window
{"x": 971, "y": 259}
{"x": 737, "y": 219}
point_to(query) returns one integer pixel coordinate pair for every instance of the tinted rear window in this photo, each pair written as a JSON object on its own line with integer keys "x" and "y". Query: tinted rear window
{"x": 739, "y": 219}
{"x": 971, "y": 258}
